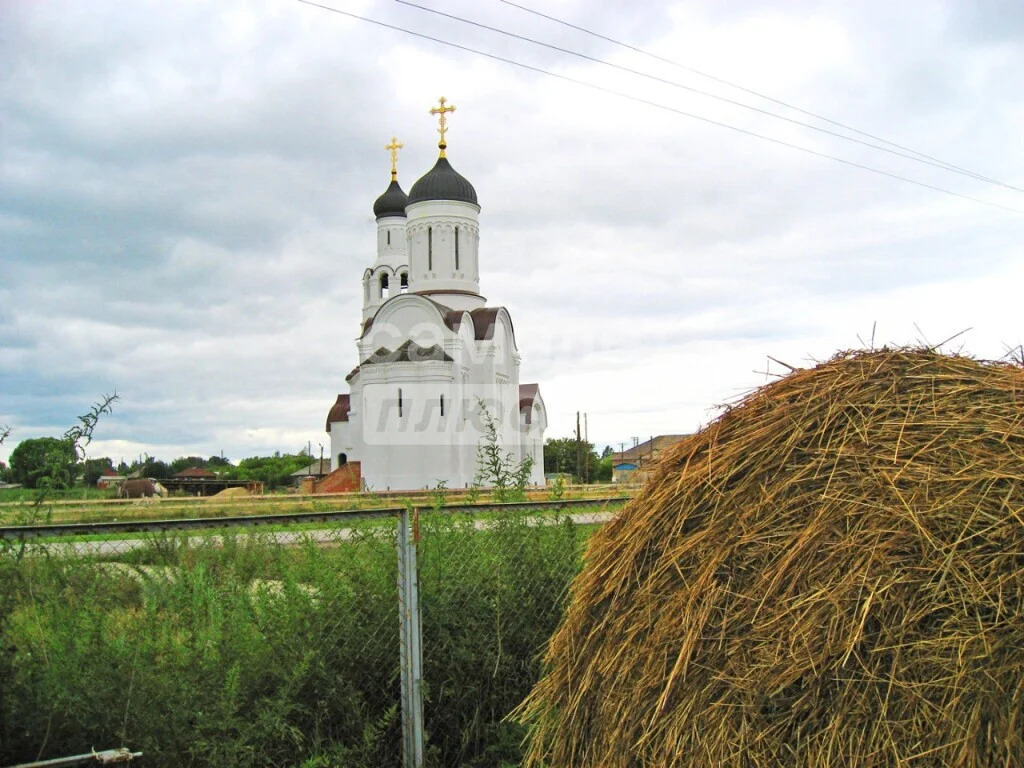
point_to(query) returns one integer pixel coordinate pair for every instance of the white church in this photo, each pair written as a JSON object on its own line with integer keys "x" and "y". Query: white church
{"x": 435, "y": 362}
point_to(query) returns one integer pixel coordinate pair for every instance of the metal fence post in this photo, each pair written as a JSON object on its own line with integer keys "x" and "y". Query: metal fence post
{"x": 410, "y": 639}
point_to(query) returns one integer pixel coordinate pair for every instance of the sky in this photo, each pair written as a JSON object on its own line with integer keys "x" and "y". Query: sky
{"x": 186, "y": 196}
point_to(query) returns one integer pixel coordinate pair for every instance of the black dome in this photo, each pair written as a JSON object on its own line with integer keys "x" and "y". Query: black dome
{"x": 392, "y": 202}
{"x": 442, "y": 182}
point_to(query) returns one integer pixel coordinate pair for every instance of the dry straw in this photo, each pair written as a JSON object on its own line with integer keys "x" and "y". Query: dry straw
{"x": 829, "y": 574}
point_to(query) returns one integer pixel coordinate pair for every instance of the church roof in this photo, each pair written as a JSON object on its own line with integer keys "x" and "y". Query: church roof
{"x": 392, "y": 202}
{"x": 442, "y": 182}
{"x": 528, "y": 393}
{"x": 339, "y": 411}
{"x": 483, "y": 321}
{"x": 408, "y": 352}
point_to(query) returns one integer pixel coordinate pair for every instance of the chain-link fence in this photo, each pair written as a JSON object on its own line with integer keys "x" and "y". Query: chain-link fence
{"x": 283, "y": 639}
{"x": 492, "y": 589}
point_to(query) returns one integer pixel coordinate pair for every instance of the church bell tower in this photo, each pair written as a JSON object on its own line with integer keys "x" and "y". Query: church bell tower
{"x": 443, "y": 231}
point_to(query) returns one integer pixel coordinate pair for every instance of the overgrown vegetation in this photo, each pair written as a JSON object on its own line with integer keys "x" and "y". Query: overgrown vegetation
{"x": 241, "y": 651}
{"x": 273, "y": 471}
{"x": 497, "y": 468}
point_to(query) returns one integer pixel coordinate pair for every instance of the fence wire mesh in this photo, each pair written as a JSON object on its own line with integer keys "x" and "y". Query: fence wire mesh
{"x": 492, "y": 590}
{"x": 276, "y": 641}
{"x": 232, "y": 645}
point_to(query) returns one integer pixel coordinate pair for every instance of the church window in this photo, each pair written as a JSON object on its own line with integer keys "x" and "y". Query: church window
{"x": 383, "y": 286}
{"x": 342, "y": 459}
{"x": 442, "y": 405}
{"x": 404, "y": 282}
{"x": 399, "y": 402}
{"x": 430, "y": 248}
{"x": 456, "y": 247}
{"x": 389, "y": 237}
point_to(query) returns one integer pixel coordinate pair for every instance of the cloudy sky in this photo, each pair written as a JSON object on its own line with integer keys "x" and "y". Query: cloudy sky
{"x": 186, "y": 192}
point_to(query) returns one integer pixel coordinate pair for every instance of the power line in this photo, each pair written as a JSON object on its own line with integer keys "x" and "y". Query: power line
{"x": 753, "y": 92}
{"x": 664, "y": 107}
{"x": 909, "y": 154}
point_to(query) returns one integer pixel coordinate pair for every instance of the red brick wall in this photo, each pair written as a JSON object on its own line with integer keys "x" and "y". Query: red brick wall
{"x": 342, "y": 480}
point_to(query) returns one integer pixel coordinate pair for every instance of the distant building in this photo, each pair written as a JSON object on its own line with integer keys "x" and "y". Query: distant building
{"x": 109, "y": 479}
{"x": 631, "y": 466}
{"x": 319, "y": 468}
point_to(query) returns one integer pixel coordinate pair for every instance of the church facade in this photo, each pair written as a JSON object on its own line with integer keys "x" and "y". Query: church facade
{"x": 438, "y": 369}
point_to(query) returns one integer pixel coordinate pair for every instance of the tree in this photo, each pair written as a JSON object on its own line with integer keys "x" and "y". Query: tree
{"x": 4, "y": 472}
{"x": 51, "y": 463}
{"x": 272, "y": 471}
{"x": 148, "y": 466}
{"x": 187, "y": 462}
{"x": 153, "y": 467}
{"x": 560, "y": 456}
{"x": 92, "y": 469}
{"x": 44, "y": 459}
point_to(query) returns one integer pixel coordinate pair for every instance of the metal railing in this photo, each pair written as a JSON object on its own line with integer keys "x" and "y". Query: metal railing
{"x": 106, "y": 757}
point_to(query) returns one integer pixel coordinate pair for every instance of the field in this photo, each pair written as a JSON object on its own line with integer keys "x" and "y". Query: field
{"x": 232, "y": 648}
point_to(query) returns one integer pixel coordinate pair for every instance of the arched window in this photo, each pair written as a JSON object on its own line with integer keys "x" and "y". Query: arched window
{"x": 399, "y": 402}
{"x": 383, "y": 285}
{"x": 442, "y": 405}
{"x": 404, "y": 282}
{"x": 456, "y": 248}
{"x": 430, "y": 249}
{"x": 389, "y": 237}
{"x": 342, "y": 459}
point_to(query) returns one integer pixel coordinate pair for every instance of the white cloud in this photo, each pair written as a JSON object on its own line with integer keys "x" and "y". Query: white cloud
{"x": 186, "y": 204}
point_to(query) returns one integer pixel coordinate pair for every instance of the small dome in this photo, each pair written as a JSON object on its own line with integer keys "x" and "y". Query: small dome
{"x": 442, "y": 182}
{"x": 392, "y": 202}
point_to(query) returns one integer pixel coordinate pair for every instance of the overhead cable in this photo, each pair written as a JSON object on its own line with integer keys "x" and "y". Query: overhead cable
{"x": 657, "y": 105}
{"x": 753, "y": 92}
{"x": 909, "y": 155}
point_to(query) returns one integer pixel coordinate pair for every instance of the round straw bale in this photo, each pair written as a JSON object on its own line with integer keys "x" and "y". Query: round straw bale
{"x": 829, "y": 574}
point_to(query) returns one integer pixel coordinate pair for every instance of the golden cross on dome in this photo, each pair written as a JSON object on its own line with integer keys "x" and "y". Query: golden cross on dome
{"x": 441, "y": 110}
{"x": 393, "y": 148}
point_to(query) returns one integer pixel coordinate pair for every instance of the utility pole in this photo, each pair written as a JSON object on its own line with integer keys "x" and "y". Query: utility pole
{"x": 579, "y": 450}
{"x": 586, "y": 458}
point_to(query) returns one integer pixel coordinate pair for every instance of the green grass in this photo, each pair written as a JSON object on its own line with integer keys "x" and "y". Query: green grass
{"x": 234, "y": 650}
{"x": 29, "y": 495}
